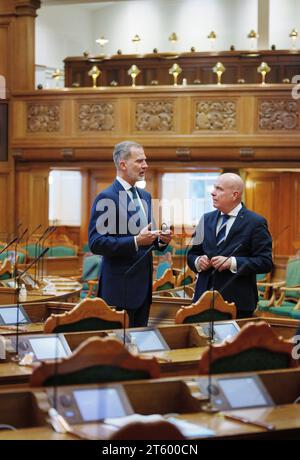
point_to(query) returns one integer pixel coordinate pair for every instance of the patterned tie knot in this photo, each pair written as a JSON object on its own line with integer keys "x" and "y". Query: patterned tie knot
{"x": 134, "y": 192}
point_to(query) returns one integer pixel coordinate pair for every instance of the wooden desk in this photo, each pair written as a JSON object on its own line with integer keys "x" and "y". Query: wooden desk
{"x": 186, "y": 348}
{"x": 163, "y": 396}
{"x": 66, "y": 290}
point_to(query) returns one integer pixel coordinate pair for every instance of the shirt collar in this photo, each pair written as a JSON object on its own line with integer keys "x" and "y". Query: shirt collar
{"x": 124, "y": 183}
{"x": 234, "y": 212}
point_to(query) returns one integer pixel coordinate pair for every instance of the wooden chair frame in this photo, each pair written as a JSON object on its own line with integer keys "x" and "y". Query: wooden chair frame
{"x": 185, "y": 274}
{"x": 87, "y": 308}
{"x": 252, "y": 335}
{"x": 167, "y": 277}
{"x": 204, "y": 303}
{"x": 95, "y": 352}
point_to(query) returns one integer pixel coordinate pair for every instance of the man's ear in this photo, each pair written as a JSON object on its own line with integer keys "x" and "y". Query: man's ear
{"x": 122, "y": 165}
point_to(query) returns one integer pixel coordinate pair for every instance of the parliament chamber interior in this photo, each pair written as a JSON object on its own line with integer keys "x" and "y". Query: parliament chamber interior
{"x": 207, "y": 89}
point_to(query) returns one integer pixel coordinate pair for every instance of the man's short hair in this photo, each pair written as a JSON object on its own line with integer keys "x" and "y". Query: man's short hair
{"x": 122, "y": 151}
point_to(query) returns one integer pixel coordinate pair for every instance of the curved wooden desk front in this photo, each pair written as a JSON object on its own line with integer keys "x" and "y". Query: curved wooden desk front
{"x": 27, "y": 409}
{"x": 186, "y": 348}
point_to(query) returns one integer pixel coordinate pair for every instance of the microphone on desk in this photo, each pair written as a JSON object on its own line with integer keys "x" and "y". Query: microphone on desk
{"x": 51, "y": 231}
{"x": 9, "y": 244}
{"x": 164, "y": 229}
{"x": 18, "y": 281}
{"x": 208, "y": 407}
{"x": 30, "y": 235}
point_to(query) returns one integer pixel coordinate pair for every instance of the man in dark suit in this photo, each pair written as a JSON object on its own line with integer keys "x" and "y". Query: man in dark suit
{"x": 120, "y": 231}
{"x": 231, "y": 245}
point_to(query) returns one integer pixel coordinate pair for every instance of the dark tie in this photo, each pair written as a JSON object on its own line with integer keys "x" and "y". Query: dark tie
{"x": 221, "y": 235}
{"x": 141, "y": 213}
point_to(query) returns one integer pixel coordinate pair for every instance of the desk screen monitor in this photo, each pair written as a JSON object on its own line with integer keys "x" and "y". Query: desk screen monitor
{"x": 222, "y": 330}
{"x": 100, "y": 403}
{"x": 91, "y": 404}
{"x": 43, "y": 347}
{"x": 244, "y": 392}
{"x": 238, "y": 392}
{"x": 9, "y": 315}
{"x": 148, "y": 340}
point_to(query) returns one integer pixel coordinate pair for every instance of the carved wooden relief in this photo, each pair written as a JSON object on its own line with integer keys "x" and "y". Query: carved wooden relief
{"x": 97, "y": 117}
{"x": 215, "y": 115}
{"x": 279, "y": 114}
{"x": 42, "y": 118}
{"x": 154, "y": 116}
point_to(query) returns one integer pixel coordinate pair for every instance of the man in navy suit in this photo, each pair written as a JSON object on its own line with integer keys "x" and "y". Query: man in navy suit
{"x": 231, "y": 245}
{"x": 120, "y": 231}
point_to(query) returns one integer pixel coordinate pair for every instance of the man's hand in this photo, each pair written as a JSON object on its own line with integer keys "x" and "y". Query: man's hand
{"x": 146, "y": 236}
{"x": 203, "y": 263}
{"x": 165, "y": 237}
{"x": 220, "y": 263}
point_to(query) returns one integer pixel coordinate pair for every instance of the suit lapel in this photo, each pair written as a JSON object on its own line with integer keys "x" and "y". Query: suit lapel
{"x": 212, "y": 226}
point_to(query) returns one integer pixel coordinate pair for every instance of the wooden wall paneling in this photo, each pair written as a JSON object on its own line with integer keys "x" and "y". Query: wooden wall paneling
{"x": 294, "y": 205}
{"x": 262, "y": 196}
{"x": 23, "y": 207}
{"x": 283, "y": 211}
{"x": 85, "y": 207}
{"x": 4, "y": 49}
{"x": 39, "y": 198}
{"x": 4, "y": 203}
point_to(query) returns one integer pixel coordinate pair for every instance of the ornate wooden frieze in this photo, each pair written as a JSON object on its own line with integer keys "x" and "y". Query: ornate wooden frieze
{"x": 42, "y": 118}
{"x": 215, "y": 115}
{"x": 97, "y": 117}
{"x": 278, "y": 114}
{"x": 154, "y": 116}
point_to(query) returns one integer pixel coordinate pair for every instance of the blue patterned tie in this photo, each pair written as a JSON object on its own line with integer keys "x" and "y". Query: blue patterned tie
{"x": 221, "y": 235}
{"x": 141, "y": 213}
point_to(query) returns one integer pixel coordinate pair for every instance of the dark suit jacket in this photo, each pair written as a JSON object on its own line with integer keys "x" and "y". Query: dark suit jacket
{"x": 111, "y": 234}
{"x": 253, "y": 256}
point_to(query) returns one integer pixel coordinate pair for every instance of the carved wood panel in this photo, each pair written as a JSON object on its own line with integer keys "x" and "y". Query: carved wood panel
{"x": 278, "y": 114}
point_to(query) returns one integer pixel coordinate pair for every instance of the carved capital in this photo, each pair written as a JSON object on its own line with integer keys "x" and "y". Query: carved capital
{"x": 215, "y": 115}
{"x": 278, "y": 114}
{"x": 27, "y": 7}
{"x": 154, "y": 116}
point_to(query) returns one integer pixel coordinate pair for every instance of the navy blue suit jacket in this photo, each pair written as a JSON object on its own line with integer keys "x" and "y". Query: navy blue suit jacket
{"x": 254, "y": 255}
{"x": 111, "y": 234}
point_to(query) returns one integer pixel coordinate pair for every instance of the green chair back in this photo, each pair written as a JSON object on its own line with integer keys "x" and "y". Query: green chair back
{"x": 206, "y": 316}
{"x": 88, "y": 324}
{"x": 293, "y": 277}
{"x": 254, "y": 359}
{"x": 11, "y": 254}
{"x": 96, "y": 374}
{"x": 61, "y": 251}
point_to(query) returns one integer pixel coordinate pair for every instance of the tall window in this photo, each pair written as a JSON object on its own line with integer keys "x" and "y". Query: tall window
{"x": 186, "y": 196}
{"x": 65, "y": 197}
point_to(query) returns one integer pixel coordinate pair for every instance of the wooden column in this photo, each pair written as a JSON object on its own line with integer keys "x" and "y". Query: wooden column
{"x": 17, "y": 44}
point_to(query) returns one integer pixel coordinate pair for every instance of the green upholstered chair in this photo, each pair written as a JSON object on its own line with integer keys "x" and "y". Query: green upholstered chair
{"x": 166, "y": 281}
{"x": 263, "y": 288}
{"x": 202, "y": 311}
{"x": 90, "y": 271}
{"x": 289, "y": 292}
{"x": 185, "y": 277}
{"x": 21, "y": 256}
{"x": 256, "y": 347}
{"x": 62, "y": 251}
{"x": 95, "y": 361}
{"x": 85, "y": 248}
{"x": 88, "y": 315}
{"x": 161, "y": 268}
